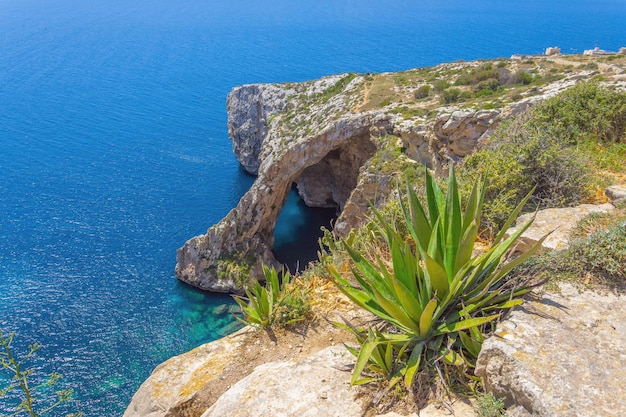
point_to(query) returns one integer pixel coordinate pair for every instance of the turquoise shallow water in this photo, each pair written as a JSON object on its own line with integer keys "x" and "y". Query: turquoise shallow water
{"x": 114, "y": 149}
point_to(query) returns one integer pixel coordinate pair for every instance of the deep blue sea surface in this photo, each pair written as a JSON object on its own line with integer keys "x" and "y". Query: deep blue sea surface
{"x": 114, "y": 148}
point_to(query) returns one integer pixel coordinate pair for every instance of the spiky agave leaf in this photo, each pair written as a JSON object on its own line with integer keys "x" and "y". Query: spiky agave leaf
{"x": 439, "y": 296}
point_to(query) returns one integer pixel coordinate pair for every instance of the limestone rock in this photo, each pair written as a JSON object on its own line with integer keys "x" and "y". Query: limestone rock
{"x": 459, "y": 409}
{"x": 616, "y": 193}
{"x": 461, "y": 130}
{"x": 313, "y": 387}
{"x": 267, "y": 129}
{"x": 557, "y": 221}
{"x": 454, "y": 134}
{"x": 373, "y": 188}
{"x": 248, "y": 124}
{"x": 246, "y": 235}
{"x": 560, "y": 355}
{"x": 177, "y": 385}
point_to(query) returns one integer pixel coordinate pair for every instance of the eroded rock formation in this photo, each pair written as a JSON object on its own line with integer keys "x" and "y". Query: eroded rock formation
{"x": 317, "y": 135}
{"x": 324, "y": 162}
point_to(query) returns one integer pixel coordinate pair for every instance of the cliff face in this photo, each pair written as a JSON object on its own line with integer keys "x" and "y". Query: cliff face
{"x": 323, "y": 163}
{"x": 321, "y": 135}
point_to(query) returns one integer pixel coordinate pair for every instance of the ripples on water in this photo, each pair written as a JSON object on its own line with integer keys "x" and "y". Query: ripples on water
{"x": 114, "y": 149}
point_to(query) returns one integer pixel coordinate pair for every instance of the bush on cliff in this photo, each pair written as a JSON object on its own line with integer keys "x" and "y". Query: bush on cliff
{"x": 559, "y": 148}
{"x": 596, "y": 258}
{"x": 28, "y": 391}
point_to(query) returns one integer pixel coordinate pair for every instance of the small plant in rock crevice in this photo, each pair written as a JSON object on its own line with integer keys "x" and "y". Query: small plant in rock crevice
{"x": 487, "y": 405}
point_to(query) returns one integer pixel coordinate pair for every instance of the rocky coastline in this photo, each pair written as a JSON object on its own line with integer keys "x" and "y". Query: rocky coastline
{"x": 340, "y": 140}
{"x": 331, "y": 138}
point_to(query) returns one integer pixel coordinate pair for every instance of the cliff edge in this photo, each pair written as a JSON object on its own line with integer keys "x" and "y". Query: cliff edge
{"x": 343, "y": 139}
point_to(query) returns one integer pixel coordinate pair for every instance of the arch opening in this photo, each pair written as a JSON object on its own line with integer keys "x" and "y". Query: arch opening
{"x": 317, "y": 198}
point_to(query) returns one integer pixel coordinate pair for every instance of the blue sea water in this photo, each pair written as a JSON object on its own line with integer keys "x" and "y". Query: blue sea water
{"x": 114, "y": 149}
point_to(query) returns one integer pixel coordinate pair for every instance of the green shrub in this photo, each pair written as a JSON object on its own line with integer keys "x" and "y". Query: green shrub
{"x": 490, "y": 84}
{"x": 487, "y": 405}
{"x": 525, "y": 78}
{"x": 598, "y": 259}
{"x": 478, "y": 74}
{"x": 277, "y": 302}
{"x": 585, "y": 111}
{"x": 450, "y": 95}
{"x": 422, "y": 92}
{"x": 557, "y": 147}
{"x": 440, "y": 85}
{"x": 434, "y": 295}
{"x": 522, "y": 160}
{"x": 29, "y": 395}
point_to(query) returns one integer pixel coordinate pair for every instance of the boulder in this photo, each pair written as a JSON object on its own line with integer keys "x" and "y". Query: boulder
{"x": 559, "y": 222}
{"x": 559, "y": 355}
{"x": 177, "y": 387}
{"x": 317, "y": 386}
{"x": 616, "y": 193}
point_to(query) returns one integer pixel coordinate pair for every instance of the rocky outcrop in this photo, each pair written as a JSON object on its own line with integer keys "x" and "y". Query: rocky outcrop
{"x": 233, "y": 251}
{"x": 311, "y": 384}
{"x": 321, "y": 151}
{"x": 449, "y": 137}
{"x": 179, "y": 386}
{"x": 316, "y": 386}
{"x": 557, "y": 222}
{"x": 315, "y": 135}
{"x": 559, "y": 355}
{"x": 250, "y": 108}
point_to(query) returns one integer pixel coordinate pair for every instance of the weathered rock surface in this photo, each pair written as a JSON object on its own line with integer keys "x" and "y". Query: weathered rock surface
{"x": 313, "y": 387}
{"x": 560, "y": 355}
{"x": 616, "y": 193}
{"x": 247, "y": 124}
{"x": 449, "y": 137}
{"x": 558, "y": 221}
{"x": 460, "y": 131}
{"x": 179, "y": 385}
{"x": 317, "y": 384}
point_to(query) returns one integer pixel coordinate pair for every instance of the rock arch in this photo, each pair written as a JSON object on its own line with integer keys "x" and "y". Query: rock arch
{"x": 325, "y": 168}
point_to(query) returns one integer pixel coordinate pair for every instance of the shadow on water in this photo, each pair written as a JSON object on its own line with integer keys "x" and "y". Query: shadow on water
{"x": 298, "y": 230}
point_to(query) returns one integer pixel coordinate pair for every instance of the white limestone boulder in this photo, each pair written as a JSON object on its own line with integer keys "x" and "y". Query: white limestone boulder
{"x": 560, "y": 355}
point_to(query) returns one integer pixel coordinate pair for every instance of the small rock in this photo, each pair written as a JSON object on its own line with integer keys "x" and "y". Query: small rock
{"x": 616, "y": 193}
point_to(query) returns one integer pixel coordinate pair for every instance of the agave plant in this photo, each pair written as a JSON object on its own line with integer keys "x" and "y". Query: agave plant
{"x": 436, "y": 295}
{"x": 273, "y": 303}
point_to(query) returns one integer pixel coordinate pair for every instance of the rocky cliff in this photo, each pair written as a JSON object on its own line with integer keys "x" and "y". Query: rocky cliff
{"x": 324, "y": 136}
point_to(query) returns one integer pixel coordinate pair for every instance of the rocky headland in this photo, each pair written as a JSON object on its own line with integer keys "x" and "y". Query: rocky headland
{"x": 342, "y": 140}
